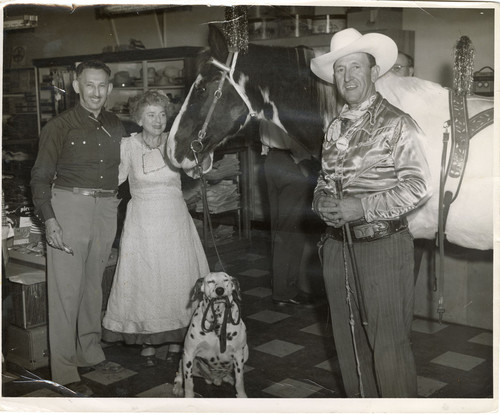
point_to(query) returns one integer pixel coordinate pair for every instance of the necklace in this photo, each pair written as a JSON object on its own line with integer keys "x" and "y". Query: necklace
{"x": 152, "y": 157}
{"x": 149, "y": 146}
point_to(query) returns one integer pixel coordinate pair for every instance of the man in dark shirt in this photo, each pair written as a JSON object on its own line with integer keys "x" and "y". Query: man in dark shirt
{"x": 74, "y": 184}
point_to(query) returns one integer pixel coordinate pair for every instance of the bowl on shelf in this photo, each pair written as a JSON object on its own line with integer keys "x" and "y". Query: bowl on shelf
{"x": 122, "y": 79}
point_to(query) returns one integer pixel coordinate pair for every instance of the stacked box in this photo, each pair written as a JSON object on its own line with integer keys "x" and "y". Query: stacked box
{"x": 29, "y": 299}
{"x": 28, "y": 348}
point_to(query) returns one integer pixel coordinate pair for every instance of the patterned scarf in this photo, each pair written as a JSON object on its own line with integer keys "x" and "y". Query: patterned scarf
{"x": 347, "y": 115}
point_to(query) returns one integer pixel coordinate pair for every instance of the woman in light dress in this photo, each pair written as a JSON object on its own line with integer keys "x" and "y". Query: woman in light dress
{"x": 161, "y": 255}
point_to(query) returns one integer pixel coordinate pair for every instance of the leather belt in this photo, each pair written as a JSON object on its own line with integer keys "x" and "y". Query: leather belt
{"x": 362, "y": 231}
{"x": 88, "y": 192}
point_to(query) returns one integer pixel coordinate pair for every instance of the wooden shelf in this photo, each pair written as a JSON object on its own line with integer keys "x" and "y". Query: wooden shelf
{"x": 123, "y": 56}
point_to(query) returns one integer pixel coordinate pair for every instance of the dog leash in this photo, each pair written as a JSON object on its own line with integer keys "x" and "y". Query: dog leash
{"x": 228, "y": 317}
{"x": 206, "y": 211}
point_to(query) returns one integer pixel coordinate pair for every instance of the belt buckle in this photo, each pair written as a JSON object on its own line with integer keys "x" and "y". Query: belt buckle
{"x": 381, "y": 226}
{"x": 371, "y": 230}
{"x": 364, "y": 231}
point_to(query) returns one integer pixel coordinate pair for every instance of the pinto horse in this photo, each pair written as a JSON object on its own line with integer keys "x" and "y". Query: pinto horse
{"x": 274, "y": 84}
{"x": 269, "y": 84}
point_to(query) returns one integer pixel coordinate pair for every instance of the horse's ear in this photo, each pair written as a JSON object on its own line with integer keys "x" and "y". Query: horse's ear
{"x": 217, "y": 42}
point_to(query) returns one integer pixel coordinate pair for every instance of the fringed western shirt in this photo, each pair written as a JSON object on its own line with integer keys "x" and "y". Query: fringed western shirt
{"x": 378, "y": 158}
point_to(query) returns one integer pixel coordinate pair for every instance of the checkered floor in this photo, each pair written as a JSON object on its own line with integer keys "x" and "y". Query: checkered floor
{"x": 292, "y": 353}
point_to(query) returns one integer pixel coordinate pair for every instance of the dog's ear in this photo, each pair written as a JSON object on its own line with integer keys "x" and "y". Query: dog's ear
{"x": 236, "y": 288}
{"x": 196, "y": 292}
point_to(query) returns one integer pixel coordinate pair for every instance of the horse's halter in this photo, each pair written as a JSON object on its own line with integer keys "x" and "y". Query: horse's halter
{"x": 227, "y": 73}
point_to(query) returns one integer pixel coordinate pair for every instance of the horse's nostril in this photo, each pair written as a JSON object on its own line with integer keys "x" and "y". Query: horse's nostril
{"x": 219, "y": 291}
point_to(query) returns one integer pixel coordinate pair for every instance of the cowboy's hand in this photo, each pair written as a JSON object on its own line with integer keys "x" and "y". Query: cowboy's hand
{"x": 54, "y": 234}
{"x": 347, "y": 210}
{"x": 325, "y": 206}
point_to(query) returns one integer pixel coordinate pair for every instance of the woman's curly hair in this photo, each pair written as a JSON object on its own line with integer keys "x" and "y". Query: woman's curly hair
{"x": 138, "y": 103}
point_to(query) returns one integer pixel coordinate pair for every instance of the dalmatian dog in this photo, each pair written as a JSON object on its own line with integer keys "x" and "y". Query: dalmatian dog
{"x": 215, "y": 346}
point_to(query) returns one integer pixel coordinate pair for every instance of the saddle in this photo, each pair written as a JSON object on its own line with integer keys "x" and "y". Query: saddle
{"x": 463, "y": 129}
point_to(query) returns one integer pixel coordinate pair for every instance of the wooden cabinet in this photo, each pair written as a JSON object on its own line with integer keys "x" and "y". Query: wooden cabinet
{"x": 171, "y": 70}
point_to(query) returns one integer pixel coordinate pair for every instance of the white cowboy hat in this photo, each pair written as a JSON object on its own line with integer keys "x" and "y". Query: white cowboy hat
{"x": 348, "y": 41}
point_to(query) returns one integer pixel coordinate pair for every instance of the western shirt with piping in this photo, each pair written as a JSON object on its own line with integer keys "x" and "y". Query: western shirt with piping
{"x": 76, "y": 150}
{"x": 384, "y": 163}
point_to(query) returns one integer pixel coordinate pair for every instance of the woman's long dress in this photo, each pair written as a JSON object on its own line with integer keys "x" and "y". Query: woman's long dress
{"x": 160, "y": 256}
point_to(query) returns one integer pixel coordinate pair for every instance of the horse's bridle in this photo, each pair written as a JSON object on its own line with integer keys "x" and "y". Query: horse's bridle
{"x": 227, "y": 73}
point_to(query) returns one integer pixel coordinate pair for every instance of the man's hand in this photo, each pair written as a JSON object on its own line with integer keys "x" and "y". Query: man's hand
{"x": 54, "y": 234}
{"x": 337, "y": 212}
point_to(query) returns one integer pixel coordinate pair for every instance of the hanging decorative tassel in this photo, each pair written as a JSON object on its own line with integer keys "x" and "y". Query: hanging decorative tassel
{"x": 236, "y": 28}
{"x": 463, "y": 66}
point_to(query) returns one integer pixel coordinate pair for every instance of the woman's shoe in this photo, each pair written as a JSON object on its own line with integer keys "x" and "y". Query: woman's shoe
{"x": 148, "y": 352}
{"x": 174, "y": 352}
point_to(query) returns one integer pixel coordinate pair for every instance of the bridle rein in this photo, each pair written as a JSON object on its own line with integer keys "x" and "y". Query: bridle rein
{"x": 197, "y": 145}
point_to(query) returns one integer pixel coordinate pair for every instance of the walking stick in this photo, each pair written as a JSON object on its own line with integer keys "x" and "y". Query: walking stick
{"x": 354, "y": 263}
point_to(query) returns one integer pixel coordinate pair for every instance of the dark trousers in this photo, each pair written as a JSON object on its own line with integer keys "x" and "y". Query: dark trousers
{"x": 290, "y": 197}
{"x": 382, "y": 347}
{"x": 74, "y": 282}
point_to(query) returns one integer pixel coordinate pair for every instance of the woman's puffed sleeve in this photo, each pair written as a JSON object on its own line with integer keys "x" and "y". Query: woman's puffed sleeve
{"x": 125, "y": 159}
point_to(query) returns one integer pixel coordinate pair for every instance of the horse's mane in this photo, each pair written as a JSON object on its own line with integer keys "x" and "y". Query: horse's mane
{"x": 279, "y": 82}
{"x": 285, "y": 73}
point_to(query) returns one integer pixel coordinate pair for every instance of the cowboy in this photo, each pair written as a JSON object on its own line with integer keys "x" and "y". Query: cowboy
{"x": 373, "y": 173}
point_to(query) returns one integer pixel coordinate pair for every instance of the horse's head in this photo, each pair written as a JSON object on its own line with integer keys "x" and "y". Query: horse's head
{"x": 215, "y": 108}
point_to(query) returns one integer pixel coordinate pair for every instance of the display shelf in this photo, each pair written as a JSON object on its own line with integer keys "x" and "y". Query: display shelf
{"x": 19, "y": 104}
{"x": 168, "y": 69}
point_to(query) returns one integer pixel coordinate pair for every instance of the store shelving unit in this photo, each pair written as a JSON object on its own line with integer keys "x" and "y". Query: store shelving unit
{"x": 171, "y": 70}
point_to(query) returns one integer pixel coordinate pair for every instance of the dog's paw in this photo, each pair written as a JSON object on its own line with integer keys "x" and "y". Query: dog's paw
{"x": 228, "y": 379}
{"x": 178, "y": 390}
{"x": 241, "y": 395}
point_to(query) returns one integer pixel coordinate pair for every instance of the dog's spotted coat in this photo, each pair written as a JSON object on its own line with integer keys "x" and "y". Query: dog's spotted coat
{"x": 215, "y": 346}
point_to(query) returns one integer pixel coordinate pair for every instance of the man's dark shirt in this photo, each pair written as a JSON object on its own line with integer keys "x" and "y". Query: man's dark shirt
{"x": 76, "y": 150}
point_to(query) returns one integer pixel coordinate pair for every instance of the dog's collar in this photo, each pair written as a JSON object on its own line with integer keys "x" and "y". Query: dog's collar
{"x": 227, "y": 317}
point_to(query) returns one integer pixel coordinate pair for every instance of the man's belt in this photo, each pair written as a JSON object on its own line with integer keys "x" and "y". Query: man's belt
{"x": 362, "y": 231}
{"x": 88, "y": 192}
